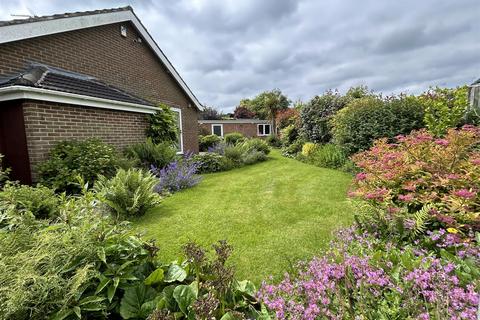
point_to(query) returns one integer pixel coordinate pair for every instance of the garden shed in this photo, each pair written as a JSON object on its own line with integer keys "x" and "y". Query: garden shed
{"x": 80, "y": 75}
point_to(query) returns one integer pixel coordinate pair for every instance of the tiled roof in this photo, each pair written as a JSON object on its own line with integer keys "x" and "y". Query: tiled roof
{"x": 46, "y": 77}
{"x": 62, "y": 15}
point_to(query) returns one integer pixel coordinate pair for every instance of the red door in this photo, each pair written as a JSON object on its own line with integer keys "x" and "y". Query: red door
{"x": 13, "y": 141}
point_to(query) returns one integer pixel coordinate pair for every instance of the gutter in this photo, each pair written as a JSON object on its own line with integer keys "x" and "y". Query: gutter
{"x": 32, "y": 93}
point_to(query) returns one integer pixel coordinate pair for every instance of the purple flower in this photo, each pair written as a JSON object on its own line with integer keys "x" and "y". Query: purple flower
{"x": 177, "y": 175}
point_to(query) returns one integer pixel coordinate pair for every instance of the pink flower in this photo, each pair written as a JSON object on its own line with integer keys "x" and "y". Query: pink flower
{"x": 476, "y": 161}
{"x": 405, "y": 197}
{"x": 464, "y": 193}
{"x": 409, "y": 186}
{"x": 453, "y": 176}
{"x": 442, "y": 142}
{"x": 361, "y": 176}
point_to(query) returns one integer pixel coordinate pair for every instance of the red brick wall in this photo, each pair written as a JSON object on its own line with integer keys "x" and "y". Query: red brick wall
{"x": 103, "y": 53}
{"x": 247, "y": 129}
{"x": 47, "y": 123}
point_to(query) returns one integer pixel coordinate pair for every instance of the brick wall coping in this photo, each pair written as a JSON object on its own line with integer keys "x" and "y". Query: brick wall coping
{"x": 28, "y": 30}
{"x": 32, "y": 93}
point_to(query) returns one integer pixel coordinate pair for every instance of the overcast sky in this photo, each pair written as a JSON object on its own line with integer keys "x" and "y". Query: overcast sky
{"x": 230, "y": 49}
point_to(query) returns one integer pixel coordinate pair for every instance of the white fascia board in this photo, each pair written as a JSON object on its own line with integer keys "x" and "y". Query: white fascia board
{"x": 32, "y": 93}
{"x": 41, "y": 28}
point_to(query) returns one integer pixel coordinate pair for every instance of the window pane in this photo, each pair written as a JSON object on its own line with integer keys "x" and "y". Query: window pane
{"x": 217, "y": 130}
{"x": 260, "y": 129}
{"x": 267, "y": 129}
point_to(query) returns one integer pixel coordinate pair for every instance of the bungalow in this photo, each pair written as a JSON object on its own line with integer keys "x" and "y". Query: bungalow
{"x": 248, "y": 127}
{"x": 80, "y": 75}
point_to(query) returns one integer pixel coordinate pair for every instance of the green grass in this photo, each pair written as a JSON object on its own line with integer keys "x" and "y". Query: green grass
{"x": 273, "y": 213}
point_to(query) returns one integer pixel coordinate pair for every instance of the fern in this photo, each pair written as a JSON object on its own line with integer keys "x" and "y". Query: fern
{"x": 422, "y": 218}
{"x": 129, "y": 193}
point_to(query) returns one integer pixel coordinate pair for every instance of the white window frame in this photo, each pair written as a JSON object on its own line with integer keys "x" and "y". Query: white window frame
{"x": 179, "y": 111}
{"x": 218, "y": 125}
{"x": 263, "y": 125}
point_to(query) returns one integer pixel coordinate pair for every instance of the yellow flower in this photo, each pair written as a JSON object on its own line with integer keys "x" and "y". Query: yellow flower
{"x": 452, "y": 230}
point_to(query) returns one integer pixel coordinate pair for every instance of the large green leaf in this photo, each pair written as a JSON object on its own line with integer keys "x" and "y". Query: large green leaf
{"x": 133, "y": 299}
{"x": 246, "y": 287}
{"x": 62, "y": 314}
{"x": 175, "y": 273}
{"x": 155, "y": 277}
{"x": 170, "y": 302}
{"x": 185, "y": 296}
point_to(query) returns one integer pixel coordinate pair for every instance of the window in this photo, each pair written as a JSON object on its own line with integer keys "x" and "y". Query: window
{"x": 217, "y": 129}
{"x": 263, "y": 129}
{"x": 178, "y": 118}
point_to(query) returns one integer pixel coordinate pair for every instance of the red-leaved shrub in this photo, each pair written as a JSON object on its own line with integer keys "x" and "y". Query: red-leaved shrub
{"x": 420, "y": 170}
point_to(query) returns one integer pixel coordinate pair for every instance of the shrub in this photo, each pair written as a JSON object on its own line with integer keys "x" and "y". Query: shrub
{"x": 129, "y": 193}
{"x": 364, "y": 120}
{"x": 316, "y": 115}
{"x": 253, "y": 156}
{"x": 208, "y": 141}
{"x": 327, "y": 156}
{"x": 162, "y": 125}
{"x": 77, "y": 266}
{"x": 444, "y": 108}
{"x": 218, "y": 148}
{"x": 178, "y": 175}
{"x": 234, "y": 138}
{"x": 39, "y": 201}
{"x": 150, "y": 154}
{"x": 308, "y": 148}
{"x": 274, "y": 141}
{"x": 234, "y": 154}
{"x": 293, "y": 149}
{"x": 70, "y": 160}
{"x": 3, "y": 172}
{"x": 289, "y": 135}
{"x": 364, "y": 278}
{"x": 211, "y": 162}
{"x": 423, "y": 182}
{"x": 256, "y": 144}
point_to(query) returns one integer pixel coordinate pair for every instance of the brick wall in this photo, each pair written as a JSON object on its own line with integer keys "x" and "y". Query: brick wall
{"x": 103, "y": 53}
{"x": 47, "y": 123}
{"x": 247, "y": 129}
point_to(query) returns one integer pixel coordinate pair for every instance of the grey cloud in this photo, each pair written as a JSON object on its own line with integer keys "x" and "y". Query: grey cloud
{"x": 227, "y": 50}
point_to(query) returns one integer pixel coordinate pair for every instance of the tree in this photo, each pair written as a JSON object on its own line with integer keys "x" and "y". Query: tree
{"x": 288, "y": 117}
{"x": 316, "y": 115}
{"x": 267, "y": 104}
{"x": 210, "y": 113}
{"x": 242, "y": 112}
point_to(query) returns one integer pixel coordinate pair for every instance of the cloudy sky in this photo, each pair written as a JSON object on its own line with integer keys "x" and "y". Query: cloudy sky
{"x": 230, "y": 49}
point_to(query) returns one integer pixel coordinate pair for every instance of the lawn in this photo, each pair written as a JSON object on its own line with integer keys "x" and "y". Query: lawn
{"x": 273, "y": 213}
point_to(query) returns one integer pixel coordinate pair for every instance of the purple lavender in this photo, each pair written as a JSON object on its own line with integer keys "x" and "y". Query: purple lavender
{"x": 177, "y": 175}
{"x": 218, "y": 148}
